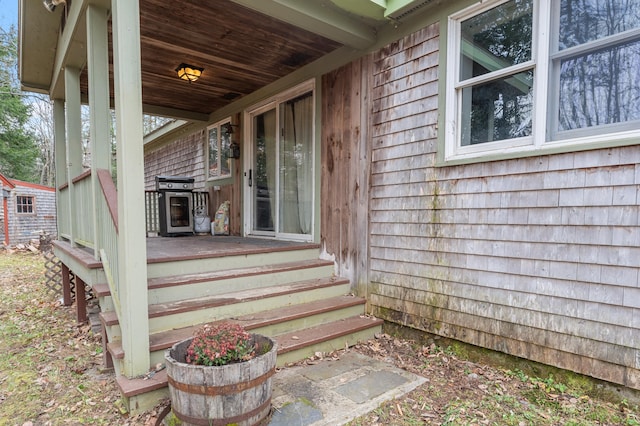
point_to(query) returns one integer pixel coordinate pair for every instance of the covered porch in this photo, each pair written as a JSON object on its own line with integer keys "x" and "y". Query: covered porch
{"x": 279, "y": 288}
{"x": 121, "y": 57}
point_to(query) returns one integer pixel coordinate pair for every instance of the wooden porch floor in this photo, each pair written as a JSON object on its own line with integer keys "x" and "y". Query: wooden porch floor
{"x": 168, "y": 249}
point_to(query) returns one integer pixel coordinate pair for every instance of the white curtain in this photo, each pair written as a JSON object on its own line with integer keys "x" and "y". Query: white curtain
{"x": 296, "y": 166}
{"x": 269, "y": 121}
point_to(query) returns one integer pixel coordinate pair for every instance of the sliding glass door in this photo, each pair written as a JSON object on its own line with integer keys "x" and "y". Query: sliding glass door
{"x": 280, "y": 176}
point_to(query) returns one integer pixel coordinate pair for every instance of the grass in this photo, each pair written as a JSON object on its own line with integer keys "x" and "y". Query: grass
{"x": 464, "y": 392}
{"x": 50, "y": 374}
{"x": 49, "y": 365}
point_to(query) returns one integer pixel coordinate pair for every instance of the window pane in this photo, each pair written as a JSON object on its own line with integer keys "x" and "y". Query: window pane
{"x": 600, "y": 88}
{"x": 225, "y": 161}
{"x": 497, "y": 110}
{"x": 24, "y": 204}
{"x": 213, "y": 152}
{"x": 496, "y": 39}
{"x": 582, "y": 21}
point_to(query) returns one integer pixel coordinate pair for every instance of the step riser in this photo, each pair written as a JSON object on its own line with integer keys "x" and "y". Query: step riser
{"x": 234, "y": 284}
{"x": 197, "y": 266}
{"x": 328, "y": 346}
{"x": 106, "y": 304}
{"x": 186, "y": 319}
{"x": 274, "y": 330}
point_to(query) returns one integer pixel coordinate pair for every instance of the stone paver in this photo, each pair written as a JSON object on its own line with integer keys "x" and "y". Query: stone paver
{"x": 333, "y": 392}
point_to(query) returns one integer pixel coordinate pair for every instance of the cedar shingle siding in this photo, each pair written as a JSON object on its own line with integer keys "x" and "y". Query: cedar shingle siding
{"x": 536, "y": 257}
{"x": 184, "y": 157}
{"x": 24, "y": 227}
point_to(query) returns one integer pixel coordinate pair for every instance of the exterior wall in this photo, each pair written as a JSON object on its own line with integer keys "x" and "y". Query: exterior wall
{"x": 536, "y": 257}
{"x": 184, "y": 157}
{"x": 346, "y": 154}
{"x": 25, "y": 227}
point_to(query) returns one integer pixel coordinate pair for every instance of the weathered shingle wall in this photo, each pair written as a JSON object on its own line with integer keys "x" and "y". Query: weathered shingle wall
{"x": 25, "y": 227}
{"x": 537, "y": 257}
{"x": 183, "y": 157}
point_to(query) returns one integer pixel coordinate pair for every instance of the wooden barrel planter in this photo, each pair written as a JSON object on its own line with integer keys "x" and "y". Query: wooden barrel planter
{"x": 237, "y": 393}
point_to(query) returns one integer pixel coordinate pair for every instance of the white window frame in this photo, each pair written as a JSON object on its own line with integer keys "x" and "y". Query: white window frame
{"x": 219, "y": 126}
{"x": 540, "y": 141}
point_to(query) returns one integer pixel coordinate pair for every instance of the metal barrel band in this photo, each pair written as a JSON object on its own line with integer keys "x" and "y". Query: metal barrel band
{"x": 221, "y": 390}
{"x": 225, "y": 421}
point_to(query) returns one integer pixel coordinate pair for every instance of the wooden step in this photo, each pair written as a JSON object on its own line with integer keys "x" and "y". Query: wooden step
{"x": 287, "y": 344}
{"x": 302, "y": 344}
{"x": 193, "y": 263}
{"x": 165, "y": 309}
{"x": 176, "y": 280}
{"x": 252, "y": 322}
{"x": 102, "y": 289}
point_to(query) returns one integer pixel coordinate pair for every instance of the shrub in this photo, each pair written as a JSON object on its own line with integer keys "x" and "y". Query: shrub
{"x": 220, "y": 344}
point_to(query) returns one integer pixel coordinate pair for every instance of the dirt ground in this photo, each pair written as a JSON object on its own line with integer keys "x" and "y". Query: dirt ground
{"x": 51, "y": 374}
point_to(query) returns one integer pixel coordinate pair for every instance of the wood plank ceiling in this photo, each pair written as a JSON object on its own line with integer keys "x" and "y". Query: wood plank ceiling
{"x": 240, "y": 50}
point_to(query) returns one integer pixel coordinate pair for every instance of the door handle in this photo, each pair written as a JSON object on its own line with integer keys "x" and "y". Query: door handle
{"x": 250, "y": 178}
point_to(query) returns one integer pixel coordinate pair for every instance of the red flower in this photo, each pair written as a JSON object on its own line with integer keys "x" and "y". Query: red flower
{"x": 220, "y": 344}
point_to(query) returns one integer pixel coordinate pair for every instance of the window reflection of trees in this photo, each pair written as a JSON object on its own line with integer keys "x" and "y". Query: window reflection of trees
{"x": 497, "y": 39}
{"x": 599, "y": 84}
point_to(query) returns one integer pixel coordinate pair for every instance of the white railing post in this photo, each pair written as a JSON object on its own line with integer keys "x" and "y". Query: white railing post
{"x": 74, "y": 140}
{"x": 100, "y": 116}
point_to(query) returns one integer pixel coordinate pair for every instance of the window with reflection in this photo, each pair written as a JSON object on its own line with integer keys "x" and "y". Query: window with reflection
{"x": 527, "y": 74}
{"x": 596, "y": 65}
{"x": 218, "y": 148}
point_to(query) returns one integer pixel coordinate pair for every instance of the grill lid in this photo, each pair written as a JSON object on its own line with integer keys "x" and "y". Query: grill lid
{"x": 174, "y": 182}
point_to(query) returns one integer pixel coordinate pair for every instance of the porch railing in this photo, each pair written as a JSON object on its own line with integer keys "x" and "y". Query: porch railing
{"x": 83, "y": 193}
{"x": 152, "y": 212}
{"x": 64, "y": 216}
{"x": 108, "y": 222}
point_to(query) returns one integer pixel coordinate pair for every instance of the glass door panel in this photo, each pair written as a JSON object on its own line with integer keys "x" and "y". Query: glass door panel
{"x": 281, "y": 169}
{"x": 296, "y": 166}
{"x": 264, "y": 171}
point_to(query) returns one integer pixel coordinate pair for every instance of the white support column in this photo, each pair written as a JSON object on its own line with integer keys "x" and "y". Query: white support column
{"x": 74, "y": 140}
{"x": 132, "y": 249}
{"x": 100, "y": 116}
{"x": 60, "y": 155}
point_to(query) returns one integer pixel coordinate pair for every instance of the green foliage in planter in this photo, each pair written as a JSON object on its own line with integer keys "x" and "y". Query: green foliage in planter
{"x": 220, "y": 344}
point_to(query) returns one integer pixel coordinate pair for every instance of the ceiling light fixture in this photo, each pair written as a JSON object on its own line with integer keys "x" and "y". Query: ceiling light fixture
{"x": 189, "y": 72}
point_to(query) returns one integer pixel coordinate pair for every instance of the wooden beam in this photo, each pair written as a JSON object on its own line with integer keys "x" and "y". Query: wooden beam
{"x": 319, "y": 19}
{"x": 71, "y": 47}
{"x": 370, "y": 8}
{"x": 178, "y": 114}
{"x": 66, "y": 285}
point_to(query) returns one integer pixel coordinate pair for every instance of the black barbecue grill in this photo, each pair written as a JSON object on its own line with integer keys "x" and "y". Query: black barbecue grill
{"x": 175, "y": 203}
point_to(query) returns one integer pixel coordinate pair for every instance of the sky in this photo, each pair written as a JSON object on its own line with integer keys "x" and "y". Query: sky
{"x": 9, "y": 13}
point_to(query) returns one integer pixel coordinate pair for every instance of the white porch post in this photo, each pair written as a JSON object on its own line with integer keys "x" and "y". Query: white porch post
{"x": 132, "y": 250}
{"x": 100, "y": 116}
{"x": 74, "y": 140}
{"x": 60, "y": 154}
